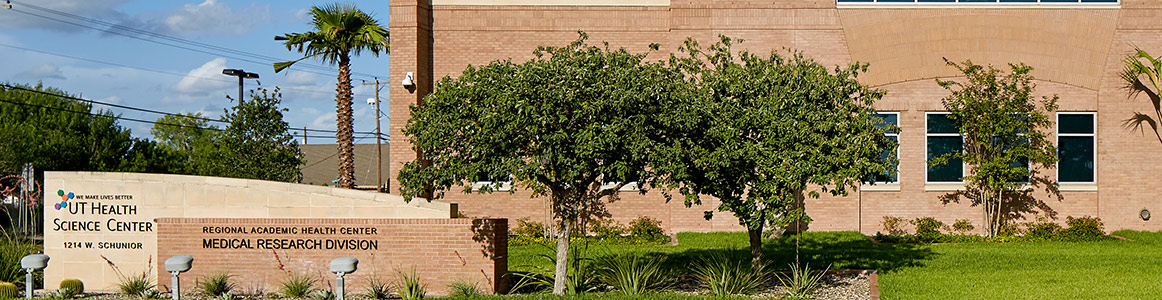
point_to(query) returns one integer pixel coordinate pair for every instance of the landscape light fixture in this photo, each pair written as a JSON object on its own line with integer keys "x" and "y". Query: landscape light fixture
{"x": 342, "y": 266}
{"x": 176, "y": 265}
{"x": 240, "y": 74}
{"x": 1144, "y": 214}
{"x": 30, "y": 263}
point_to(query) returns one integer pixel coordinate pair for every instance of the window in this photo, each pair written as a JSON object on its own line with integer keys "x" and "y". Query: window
{"x": 978, "y": 2}
{"x": 943, "y": 137}
{"x": 611, "y": 180}
{"x": 892, "y": 175}
{"x": 1076, "y": 141}
{"x": 484, "y": 179}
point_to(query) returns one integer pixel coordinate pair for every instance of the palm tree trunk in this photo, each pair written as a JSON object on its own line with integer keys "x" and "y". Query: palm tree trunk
{"x": 343, "y": 115}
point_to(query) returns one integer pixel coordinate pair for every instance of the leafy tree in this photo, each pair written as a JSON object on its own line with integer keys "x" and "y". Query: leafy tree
{"x": 1004, "y": 131}
{"x": 146, "y": 156}
{"x": 49, "y": 129}
{"x": 340, "y": 31}
{"x": 765, "y": 129}
{"x": 191, "y": 137}
{"x": 257, "y": 143}
{"x": 554, "y": 123}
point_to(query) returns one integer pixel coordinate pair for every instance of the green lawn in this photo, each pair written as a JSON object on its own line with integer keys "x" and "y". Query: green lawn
{"x": 1028, "y": 270}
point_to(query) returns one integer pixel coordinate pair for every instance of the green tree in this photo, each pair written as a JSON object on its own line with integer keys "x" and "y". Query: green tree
{"x": 257, "y": 143}
{"x": 52, "y": 130}
{"x": 554, "y": 123}
{"x": 340, "y": 32}
{"x": 764, "y": 130}
{"x": 146, "y": 156}
{"x": 1004, "y": 134}
{"x": 191, "y": 137}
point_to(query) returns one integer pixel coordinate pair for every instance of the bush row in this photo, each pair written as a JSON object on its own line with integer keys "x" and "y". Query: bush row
{"x": 640, "y": 231}
{"x": 930, "y": 230}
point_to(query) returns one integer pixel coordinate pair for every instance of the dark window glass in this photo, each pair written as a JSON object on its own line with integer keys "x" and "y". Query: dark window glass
{"x": 939, "y": 123}
{"x": 948, "y": 172}
{"x": 1075, "y": 123}
{"x": 484, "y": 177}
{"x": 1076, "y": 159}
{"x": 892, "y": 174}
{"x": 615, "y": 179}
{"x": 886, "y": 119}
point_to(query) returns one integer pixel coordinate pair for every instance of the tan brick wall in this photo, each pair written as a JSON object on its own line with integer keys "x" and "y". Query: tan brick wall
{"x": 439, "y": 251}
{"x": 1076, "y": 53}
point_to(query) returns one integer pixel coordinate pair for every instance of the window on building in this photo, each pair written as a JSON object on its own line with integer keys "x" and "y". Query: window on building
{"x": 1076, "y": 141}
{"x": 610, "y": 180}
{"x": 891, "y": 175}
{"x": 1000, "y": 2}
{"x": 943, "y": 137}
{"x": 484, "y": 179}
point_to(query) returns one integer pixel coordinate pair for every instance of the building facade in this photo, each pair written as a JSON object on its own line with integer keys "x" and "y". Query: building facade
{"x": 1108, "y": 169}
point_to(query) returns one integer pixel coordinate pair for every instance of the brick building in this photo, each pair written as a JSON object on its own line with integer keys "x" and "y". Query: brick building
{"x": 1076, "y": 48}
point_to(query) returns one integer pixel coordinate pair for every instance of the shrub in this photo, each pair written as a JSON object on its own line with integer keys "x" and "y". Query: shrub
{"x": 376, "y": 289}
{"x": 298, "y": 286}
{"x": 463, "y": 289}
{"x": 11, "y": 251}
{"x": 322, "y": 295}
{"x": 410, "y": 287}
{"x": 1042, "y": 230}
{"x": 928, "y": 226}
{"x": 800, "y": 282}
{"x": 215, "y": 285}
{"x": 894, "y": 225}
{"x": 607, "y": 228}
{"x": 528, "y": 228}
{"x": 1083, "y": 229}
{"x": 8, "y": 290}
{"x": 151, "y": 294}
{"x": 63, "y": 293}
{"x": 963, "y": 226}
{"x": 724, "y": 276}
{"x": 633, "y": 274}
{"x": 136, "y": 286}
{"x": 646, "y": 227}
{"x": 1009, "y": 229}
{"x": 75, "y": 285}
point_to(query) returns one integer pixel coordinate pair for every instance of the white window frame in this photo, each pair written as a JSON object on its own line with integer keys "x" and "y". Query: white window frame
{"x": 504, "y": 185}
{"x": 994, "y": 4}
{"x": 926, "y": 153}
{"x": 1092, "y": 135}
{"x": 629, "y": 186}
{"x": 898, "y": 146}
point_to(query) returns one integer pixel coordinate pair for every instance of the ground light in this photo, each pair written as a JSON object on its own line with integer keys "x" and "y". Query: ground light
{"x": 32, "y": 263}
{"x": 176, "y": 265}
{"x": 342, "y": 266}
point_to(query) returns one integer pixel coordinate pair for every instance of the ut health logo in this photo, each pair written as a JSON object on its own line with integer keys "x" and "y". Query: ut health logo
{"x": 64, "y": 199}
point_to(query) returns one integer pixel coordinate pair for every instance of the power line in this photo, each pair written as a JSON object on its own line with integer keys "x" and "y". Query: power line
{"x": 156, "y": 71}
{"x": 151, "y": 40}
{"x": 154, "y": 111}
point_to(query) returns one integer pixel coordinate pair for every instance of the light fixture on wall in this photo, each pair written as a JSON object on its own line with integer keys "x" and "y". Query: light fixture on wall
{"x": 409, "y": 82}
{"x": 1144, "y": 214}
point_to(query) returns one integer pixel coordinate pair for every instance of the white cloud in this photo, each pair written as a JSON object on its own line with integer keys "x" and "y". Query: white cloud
{"x": 324, "y": 121}
{"x": 103, "y": 10}
{"x": 45, "y": 71}
{"x": 214, "y": 17}
{"x": 200, "y": 81}
{"x": 111, "y": 99}
{"x": 299, "y": 78}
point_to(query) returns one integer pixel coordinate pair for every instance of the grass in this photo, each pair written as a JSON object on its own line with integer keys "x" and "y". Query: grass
{"x": 1112, "y": 269}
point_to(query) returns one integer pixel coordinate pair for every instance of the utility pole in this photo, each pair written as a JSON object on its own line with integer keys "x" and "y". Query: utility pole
{"x": 379, "y": 185}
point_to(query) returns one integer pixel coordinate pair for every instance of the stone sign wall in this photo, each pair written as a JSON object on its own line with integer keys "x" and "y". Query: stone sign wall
{"x": 260, "y": 253}
{"x": 97, "y": 225}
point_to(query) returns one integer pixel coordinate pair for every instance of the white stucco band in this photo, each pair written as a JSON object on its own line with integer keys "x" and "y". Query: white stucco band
{"x": 110, "y": 216}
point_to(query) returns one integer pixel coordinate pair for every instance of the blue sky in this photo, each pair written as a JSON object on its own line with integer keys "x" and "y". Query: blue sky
{"x": 180, "y": 80}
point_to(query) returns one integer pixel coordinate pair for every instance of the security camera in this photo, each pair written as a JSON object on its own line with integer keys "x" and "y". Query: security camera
{"x": 370, "y": 101}
{"x": 408, "y": 81}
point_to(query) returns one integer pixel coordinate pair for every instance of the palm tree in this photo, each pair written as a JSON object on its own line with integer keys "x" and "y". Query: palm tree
{"x": 1136, "y": 67}
{"x": 340, "y": 31}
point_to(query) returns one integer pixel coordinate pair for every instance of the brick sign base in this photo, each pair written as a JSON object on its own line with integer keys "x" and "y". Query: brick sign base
{"x": 261, "y": 253}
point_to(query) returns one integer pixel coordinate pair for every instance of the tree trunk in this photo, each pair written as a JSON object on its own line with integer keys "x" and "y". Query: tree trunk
{"x": 560, "y": 275}
{"x": 756, "y": 247}
{"x": 344, "y": 119}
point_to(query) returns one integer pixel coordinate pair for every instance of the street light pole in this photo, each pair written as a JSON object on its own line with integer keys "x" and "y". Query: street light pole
{"x": 240, "y": 74}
